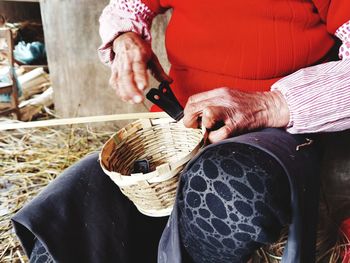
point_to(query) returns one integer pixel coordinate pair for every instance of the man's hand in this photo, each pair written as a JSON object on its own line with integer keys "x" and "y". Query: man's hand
{"x": 129, "y": 68}
{"x": 235, "y": 111}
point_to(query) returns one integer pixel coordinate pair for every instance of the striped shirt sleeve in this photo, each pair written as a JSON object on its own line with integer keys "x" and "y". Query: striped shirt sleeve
{"x": 318, "y": 97}
{"x": 121, "y": 16}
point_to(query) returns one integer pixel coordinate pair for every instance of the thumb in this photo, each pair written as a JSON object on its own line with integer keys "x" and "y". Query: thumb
{"x": 221, "y": 134}
{"x": 213, "y": 117}
{"x": 157, "y": 70}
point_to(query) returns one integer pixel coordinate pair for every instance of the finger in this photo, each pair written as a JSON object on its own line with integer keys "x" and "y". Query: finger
{"x": 128, "y": 88}
{"x": 126, "y": 83}
{"x": 157, "y": 70}
{"x": 113, "y": 80}
{"x": 140, "y": 75}
{"x": 193, "y": 111}
{"x": 220, "y": 92}
{"x": 121, "y": 94}
{"x": 221, "y": 134}
{"x": 213, "y": 117}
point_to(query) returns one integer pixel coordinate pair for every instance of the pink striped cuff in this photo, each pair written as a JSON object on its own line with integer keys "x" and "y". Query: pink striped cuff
{"x": 318, "y": 97}
{"x": 123, "y": 16}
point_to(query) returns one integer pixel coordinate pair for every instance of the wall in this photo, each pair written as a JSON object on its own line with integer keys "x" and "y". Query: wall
{"x": 79, "y": 79}
{"x": 19, "y": 11}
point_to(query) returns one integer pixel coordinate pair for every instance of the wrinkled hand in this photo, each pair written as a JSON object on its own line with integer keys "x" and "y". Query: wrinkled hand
{"x": 133, "y": 56}
{"x": 235, "y": 112}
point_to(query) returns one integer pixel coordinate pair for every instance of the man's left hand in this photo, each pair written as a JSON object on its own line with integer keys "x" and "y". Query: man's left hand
{"x": 235, "y": 111}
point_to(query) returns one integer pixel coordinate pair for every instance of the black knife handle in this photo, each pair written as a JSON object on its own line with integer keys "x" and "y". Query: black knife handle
{"x": 165, "y": 99}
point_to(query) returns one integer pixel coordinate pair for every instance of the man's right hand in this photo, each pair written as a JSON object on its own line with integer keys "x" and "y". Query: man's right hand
{"x": 129, "y": 76}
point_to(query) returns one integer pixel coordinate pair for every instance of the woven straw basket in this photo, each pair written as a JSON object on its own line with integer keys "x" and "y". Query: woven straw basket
{"x": 167, "y": 145}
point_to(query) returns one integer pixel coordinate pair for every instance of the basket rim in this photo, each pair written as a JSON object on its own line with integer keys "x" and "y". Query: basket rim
{"x": 163, "y": 172}
{"x": 155, "y": 212}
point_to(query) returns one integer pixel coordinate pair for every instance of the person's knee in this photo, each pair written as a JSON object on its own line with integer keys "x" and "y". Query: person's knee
{"x": 232, "y": 169}
{"x": 235, "y": 189}
{"x": 84, "y": 168}
{"x": 83, "y": 173}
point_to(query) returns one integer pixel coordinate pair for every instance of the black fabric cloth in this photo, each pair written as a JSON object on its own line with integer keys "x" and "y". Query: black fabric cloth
{"x": 234, "y": 198}
{"x": 83, "y": 217}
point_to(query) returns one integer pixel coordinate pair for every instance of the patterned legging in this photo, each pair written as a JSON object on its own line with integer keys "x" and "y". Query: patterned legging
{"x": 232, "y": 199}
{"x": 40, "y": 254}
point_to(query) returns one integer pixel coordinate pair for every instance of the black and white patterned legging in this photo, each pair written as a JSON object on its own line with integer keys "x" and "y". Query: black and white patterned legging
{"x": 40, "y": 254}
{"x": 232, "y": 199}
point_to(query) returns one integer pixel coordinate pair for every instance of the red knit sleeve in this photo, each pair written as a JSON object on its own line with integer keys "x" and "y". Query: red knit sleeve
{"x": 338, "y": 14}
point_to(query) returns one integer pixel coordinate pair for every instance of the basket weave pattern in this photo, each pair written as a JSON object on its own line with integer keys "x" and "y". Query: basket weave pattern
{"x": 167, "y": 145}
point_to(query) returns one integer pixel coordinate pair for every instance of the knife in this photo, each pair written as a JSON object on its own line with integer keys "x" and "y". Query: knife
{"x": 165, "y": 99}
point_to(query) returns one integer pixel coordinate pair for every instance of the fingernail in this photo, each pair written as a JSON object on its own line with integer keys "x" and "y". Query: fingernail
{"x": 137, "y": 99}
{"x": 140, "y": 86}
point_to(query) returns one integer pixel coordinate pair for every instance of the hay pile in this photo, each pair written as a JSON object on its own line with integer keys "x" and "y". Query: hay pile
{"x": 30, "y": 159}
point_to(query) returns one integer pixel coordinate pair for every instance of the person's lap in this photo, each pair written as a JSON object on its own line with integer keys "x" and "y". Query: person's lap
{"x": 83, "y": 217}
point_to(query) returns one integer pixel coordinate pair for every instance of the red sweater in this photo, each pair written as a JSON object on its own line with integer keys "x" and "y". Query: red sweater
{"x": 246, "y": 45}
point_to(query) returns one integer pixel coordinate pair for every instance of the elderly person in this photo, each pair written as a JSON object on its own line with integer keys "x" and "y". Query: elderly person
{"x": 263, "y": 71}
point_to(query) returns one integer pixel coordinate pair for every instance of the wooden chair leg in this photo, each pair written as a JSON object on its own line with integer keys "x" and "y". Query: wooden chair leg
{"x": 15, "y": 103}
{"x": 18, "y": 114}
